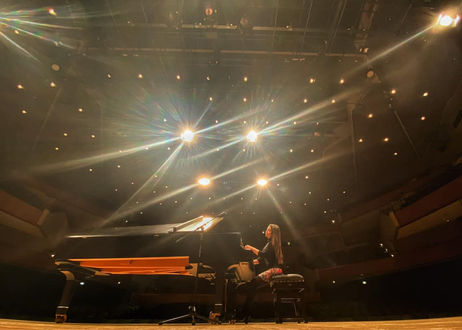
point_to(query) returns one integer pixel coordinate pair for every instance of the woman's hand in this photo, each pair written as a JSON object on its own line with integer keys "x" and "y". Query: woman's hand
{"x": 251, "y": 248}
{"x": 256, "y": 262}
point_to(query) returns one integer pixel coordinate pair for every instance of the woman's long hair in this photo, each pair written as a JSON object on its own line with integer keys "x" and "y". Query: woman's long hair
{"x": 276, "y": 242}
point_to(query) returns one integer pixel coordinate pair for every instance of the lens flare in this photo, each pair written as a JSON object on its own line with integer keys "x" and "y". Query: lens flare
{"x": 252, "y": 136}
{"x": 204, "y": 181}
{"x": 187, "y": 135}
{"x": 262, "y": 182}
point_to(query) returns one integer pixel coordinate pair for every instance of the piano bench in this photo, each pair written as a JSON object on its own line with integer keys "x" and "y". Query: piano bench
{"x": 288, "y": 288}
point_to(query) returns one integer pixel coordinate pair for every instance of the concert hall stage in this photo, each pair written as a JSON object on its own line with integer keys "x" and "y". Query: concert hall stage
{"x": 439, "y": 323}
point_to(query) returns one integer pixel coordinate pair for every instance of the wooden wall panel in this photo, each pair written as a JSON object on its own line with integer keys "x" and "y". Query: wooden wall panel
{"x": 432, "y": 202}
{"x": 19, "y": 209}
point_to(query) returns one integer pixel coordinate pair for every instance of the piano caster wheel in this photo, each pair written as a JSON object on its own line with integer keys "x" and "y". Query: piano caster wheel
{"x": 60, "y": 318}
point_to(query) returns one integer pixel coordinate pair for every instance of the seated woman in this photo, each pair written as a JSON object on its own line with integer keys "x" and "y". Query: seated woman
{"x": 269, "y": 258}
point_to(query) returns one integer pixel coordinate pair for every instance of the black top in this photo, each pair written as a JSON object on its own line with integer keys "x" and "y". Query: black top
{"x": 267, "y": 257}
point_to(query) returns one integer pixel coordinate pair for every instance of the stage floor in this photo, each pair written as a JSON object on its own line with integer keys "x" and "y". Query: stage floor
{"x": 441, "y": 323}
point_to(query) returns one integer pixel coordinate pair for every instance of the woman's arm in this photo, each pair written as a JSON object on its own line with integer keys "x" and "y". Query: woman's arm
{"x": 253, "y": 249}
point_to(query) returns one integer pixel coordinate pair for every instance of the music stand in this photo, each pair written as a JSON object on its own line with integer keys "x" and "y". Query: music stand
{"x": 192, "y": 311}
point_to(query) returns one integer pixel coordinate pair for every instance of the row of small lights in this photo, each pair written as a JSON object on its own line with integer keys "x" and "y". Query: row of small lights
{"x": 244, "y": 99}
{"x": 188, "y": 137}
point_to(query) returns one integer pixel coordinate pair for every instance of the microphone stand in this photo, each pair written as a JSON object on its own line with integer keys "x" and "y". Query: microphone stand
{"x": 192, "y": 310}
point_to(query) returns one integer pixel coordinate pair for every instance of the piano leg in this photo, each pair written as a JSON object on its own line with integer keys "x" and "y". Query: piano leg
{"x": 68, "y": 292}
{"x": 219, "y": 307}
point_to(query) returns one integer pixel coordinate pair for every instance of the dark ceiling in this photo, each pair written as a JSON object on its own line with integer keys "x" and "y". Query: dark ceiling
{"x": 96, "y": 93}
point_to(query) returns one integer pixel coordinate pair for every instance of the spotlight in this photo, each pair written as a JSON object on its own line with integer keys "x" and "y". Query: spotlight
{"x": 252, "y": 136}
{"x": 204, "y": 181}
{"x": 262, "y": 182}
{"x": 187, "y": 135}
{"x": 446, "y": 20}
{"x": 370, "y": 74}
{"x": 210, "y": 13}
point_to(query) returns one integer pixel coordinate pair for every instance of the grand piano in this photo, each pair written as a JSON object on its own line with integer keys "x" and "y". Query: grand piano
{"x": 148, "y": 250}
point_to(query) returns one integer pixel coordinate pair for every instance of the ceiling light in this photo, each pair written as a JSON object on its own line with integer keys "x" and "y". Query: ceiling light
{"x": 51, "y": 11}
{"x": 423, "y": 118}
{"x": 305, "y": 100}
{"x": 52, "y": 84}
{"x": 178, "y": 77}
{"x": 187, "y": 135}
{"x": 23, "y": 111}
{"x": 312, "y": 80}
{"x": 109, "y": 76}
{"x": 20, "y": 86}
{"x": 371, "y": 115}
{"x": 208, "y": 78}
{"x": 57, "y": 148}
{"x": 333, "y": 101}
{"x": 245, "y": 78}
{"x": 395, "y": 154}
{"x": 386, "y": 139}
{"x": 55, "y": 67}
{"x": 393, "y": 91}
{"x": 210, "y": 99}
{"x": 370, "y": 74}
{"x": 208, "y": 10}
{"x": 80, "y": 110}
{"x": 93, "y": 136}
{"x": 140, "y": 76}
{"x": 244, "y": 99}
{"x": 252, "y": 136}
{"x": 425, "y": 94}
{"x": 262, "y": 182}
{"x": 446, "y": 20}
{"x": 342, "y": 81}
{"x": 65, "y": 134}
{"x": 204, "y": 181}
{"x": 361, "y": 140}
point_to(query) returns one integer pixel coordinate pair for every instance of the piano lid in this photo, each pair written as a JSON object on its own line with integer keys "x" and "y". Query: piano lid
{"x": 202, "y": 223}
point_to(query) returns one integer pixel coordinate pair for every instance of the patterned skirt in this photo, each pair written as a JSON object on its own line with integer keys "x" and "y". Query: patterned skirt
{"x": 267, "y": 274}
